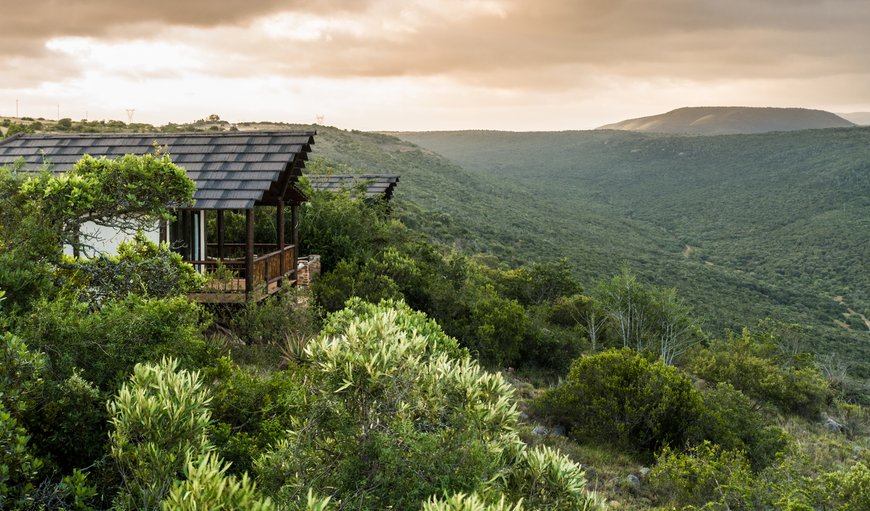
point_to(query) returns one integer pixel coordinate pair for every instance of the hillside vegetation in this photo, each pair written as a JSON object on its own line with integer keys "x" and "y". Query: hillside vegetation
{"x": 730, "y": 120}
{"x": 746, "y": 226}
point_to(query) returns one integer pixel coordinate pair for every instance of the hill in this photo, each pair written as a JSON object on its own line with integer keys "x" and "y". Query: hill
{"x": 745, "y": 226}
{"x": 859, "y": 118}
{"x": 731, "y": 120}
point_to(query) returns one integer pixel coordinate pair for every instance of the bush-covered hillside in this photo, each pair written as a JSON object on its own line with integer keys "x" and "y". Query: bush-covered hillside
{"x": 746, "y": 226}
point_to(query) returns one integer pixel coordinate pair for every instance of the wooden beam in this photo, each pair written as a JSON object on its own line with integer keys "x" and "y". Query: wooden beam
{"x": 279, "y": 213}
{"x": 294, "y": 222}
{"x": 220, "y": 233}
{"x": 249, "y": 252}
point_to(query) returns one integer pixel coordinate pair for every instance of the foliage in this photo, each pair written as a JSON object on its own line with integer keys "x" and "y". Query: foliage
{"x": 730, "y": 420}
{"x": 756, "y": 366}
{"x": 339, "y": 227}
{"x": 469, "y": 502}
{"x": 851, "y": 488}
{"x": 140, "y": 267}
{"x": 252, "y": 411}
{"x": 20, "y": 375}
{"x": 646, "y": 317}
{"x": 160, "y": 419}
{"x": 389, "y": 393}
{"x": 270, "y": 320}
{"x": 127, "y": 193}
{"x": 705, "y": 476}
{"x": 105, "y": 344}
{"x": 619, "y": 396}
{"x": 207, "y": 486}
{"x": 19, "y": 467}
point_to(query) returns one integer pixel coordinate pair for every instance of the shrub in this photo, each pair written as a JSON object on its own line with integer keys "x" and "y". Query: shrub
{"x": 19, "y": 467}
{"x": 105, "y": 344}
{"x": 756, "y": 368}
{"x": 851, "y": 488}
{"x": 390, "y": 393}
{"x": 141, "y": 267}
{"x": 468, "y": 502}
{"x": 619, "y": 396}
{"x": 160, "y": 419}
{"x": 271, "y": 320}
{"x": 704, "y": 476}
{"x": 207, "y": 486}
{"x": 731, "y": 420}
{"x": 253, "y": 411}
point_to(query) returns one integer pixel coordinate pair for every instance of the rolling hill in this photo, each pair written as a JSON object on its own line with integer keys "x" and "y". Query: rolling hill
{"x": 745, "y": 226}
{"x": 731, "y": 120}
{"x": 859, "y": 118}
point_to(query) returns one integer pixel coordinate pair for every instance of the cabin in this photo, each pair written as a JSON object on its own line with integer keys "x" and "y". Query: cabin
{"x": 235, "y": 173}
{"x": 374, "y": 186}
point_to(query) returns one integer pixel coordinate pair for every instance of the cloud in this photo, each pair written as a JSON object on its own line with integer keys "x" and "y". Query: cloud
{"x": 496, "y": 51}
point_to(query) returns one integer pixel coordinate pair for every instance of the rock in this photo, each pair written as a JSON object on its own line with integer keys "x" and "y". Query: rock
{"x": 633, "y": 481}
{"x": 614, "y": 504}
{"x": 558, "y": 430}
{"x": 540, "y": 430}
{"x": 834, "y": 426}
{"x": 524, "y": 416}
{"x": 644, "y": 471}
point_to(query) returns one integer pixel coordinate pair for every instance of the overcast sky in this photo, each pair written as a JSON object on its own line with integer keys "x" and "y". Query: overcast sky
{"x": 429, "y": 64}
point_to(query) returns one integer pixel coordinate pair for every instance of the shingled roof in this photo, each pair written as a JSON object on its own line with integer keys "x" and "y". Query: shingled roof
{"x": 377, "y": 185}
{"x": 232, "y": 170}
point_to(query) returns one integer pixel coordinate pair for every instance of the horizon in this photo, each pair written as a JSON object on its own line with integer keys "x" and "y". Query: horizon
{"x": 389, "y": 65}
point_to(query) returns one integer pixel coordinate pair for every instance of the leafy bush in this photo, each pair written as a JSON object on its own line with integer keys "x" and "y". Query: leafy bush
{"x": 468, "y": 502}
{"x": 271, "y": 320}
{"x": 851, "y": 488}
{"x": 705, "y": 476}
{"x": 105, "y": 344}
{"x": 756, "y": 367}
{"x": 252, "y": 411}
{"x": 731, "y": 420}
{"x": 141, "y": 267}
{"x": 160, "y": 420}
{"x": 619, "y": 396}
{"x": 207, "y": 486}
{"x": 390, "y": 393}
{"x": 19, "y": 467}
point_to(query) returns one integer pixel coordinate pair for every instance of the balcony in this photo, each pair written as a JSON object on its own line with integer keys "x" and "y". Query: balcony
{"x": 228, "y": 278}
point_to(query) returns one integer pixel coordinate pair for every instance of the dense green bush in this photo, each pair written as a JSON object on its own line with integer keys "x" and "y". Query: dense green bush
{"x": 705, "y": 476}
{"x": 758, "y": 368}
{"x": 19, "y": 466}
{"x": 252, "y": 411}
{"x": 850, "y": 488}
{"x": 106, "y": 343}
{"x": 731, "y": 420}
{"x": 619, "y": 396}
{"x": 390, "y": 393}
{"x": 207, "y": 486}
{"x": 269, "y": 321}
{"x": 141, "y": 267}
{"x": 160, "y": 420}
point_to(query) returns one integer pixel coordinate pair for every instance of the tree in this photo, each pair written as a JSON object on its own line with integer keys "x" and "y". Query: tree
{"x": 129, "y": 193}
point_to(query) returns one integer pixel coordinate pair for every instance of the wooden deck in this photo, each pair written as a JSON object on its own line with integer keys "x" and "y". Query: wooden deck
{"x": 229, "y": 284}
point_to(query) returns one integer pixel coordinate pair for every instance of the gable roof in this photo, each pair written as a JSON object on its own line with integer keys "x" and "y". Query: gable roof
{"x": 232, "y": 170}
{"x": 377, "y": 185}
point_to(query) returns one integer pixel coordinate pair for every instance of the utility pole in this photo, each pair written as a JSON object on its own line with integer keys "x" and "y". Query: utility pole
{"x": 16, "y": 108}
{"x": 130, "y": 112}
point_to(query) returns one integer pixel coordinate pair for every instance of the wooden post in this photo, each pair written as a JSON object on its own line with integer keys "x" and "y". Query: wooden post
{"x": 294, "y": 221}
{"x": 220, "y": 233}
{"x": 162, "y": 228}
{"x": 280, "y": 221}
{"x": 249, "y": 253}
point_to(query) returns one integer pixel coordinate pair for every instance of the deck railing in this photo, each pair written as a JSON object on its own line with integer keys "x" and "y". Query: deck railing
{"x": 230, "y": 275}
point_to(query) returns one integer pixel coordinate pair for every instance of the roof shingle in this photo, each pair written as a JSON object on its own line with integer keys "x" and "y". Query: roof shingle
{"x": 231, "y": 170}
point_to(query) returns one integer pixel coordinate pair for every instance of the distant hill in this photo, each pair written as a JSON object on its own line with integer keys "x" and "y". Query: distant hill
{"x": 859, "y": 118}
{"x": 744, "y": 226}
{"x": 730, "y": 120}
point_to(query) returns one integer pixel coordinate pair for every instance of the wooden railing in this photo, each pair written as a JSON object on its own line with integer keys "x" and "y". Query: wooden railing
{"x": 230, "y": 275}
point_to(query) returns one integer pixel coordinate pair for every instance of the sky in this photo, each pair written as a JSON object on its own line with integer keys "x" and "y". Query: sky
{"x": 428, "y": 64}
